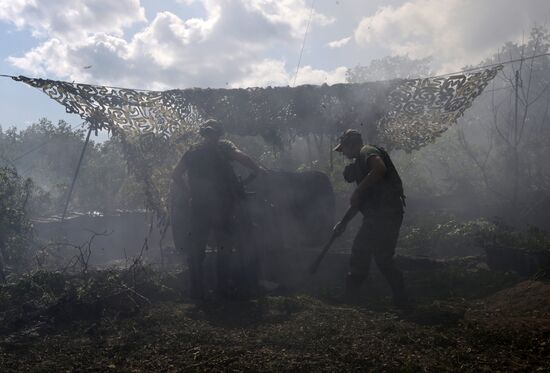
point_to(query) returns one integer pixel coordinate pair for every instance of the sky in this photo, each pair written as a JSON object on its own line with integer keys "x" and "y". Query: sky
{"x": 162, "y": 44}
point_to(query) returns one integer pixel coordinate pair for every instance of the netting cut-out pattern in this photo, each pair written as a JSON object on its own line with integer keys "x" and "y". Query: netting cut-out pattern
{"x": 399, "y": 114}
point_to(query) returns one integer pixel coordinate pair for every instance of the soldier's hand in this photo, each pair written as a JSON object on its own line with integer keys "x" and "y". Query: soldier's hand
{"x": 339, "y": 228}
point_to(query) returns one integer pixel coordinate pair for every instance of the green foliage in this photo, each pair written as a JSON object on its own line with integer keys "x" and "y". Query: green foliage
{"x": 152, "y": 159}
{"x": 15, "y": 228}
{"x": 501, "y": 235}
{"x": 105, "y": 183}
{"x": 439, "y": 235}
{"x": 390, "y": 67}
{"x": 64, "y": 297}
{"x": 48, "y": 154}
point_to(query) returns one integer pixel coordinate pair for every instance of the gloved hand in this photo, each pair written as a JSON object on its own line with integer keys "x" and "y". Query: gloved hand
{"x": 350, "y": 173}
{"x": 339, "y": 228}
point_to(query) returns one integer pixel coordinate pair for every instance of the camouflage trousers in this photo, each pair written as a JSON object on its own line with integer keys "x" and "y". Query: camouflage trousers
{"x": 236, "y": 262}
{"x": 377, "y": 239}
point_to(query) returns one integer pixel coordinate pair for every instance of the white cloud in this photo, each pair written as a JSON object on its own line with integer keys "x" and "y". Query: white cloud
{"x": 454, "y": 32}
{"x": 229, "y": 45}
{"x": 294, "y": 13}
{"x": 268, "y": 72}
{"x": 71, "y": 20}
{"x": 247, "y": 42}
{"x": 339, "y": 43}
{"x": 310, "y": 75}
{"x": 275, "y": 73}
{"x": 102, "y": 52}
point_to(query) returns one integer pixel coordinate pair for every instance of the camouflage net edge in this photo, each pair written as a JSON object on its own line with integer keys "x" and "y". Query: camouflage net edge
{"x": 400, "y": 114}
{"x": 420, "y": 110}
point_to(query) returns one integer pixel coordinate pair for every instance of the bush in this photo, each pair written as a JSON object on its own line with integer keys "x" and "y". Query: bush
{"x": 444, "y": 236}
{"x": 531, "y": 239}
{"x": 15, "y": 227}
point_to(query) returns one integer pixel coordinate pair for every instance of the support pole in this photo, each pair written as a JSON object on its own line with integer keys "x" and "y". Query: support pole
{"x": 515, "y": 144}
{"x": 76, "y": 173}
{"x": 331, "y": 145}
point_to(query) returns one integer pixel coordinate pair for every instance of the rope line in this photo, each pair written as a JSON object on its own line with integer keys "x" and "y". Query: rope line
{"x": 304, "y": 41}
{"x": 491, "y": 65}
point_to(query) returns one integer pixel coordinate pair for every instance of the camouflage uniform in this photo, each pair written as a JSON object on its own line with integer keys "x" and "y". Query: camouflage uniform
{"x": 382, "y": 210}
{"x": 215, "y": 206}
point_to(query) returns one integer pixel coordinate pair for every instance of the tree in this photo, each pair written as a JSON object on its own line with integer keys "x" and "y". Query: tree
{"x": 507, "y": 134}
{"x": 494, "y": 158}
{"x": 48, "y": 154}
{"x": 390, "y": 67}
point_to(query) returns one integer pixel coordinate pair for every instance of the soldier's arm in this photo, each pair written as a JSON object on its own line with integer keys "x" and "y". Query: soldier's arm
{"x": 377, "y": 171}
{"x": 179, "y": 171}
{"x": 340, "y": 227}
{"x": 246, "y": 161}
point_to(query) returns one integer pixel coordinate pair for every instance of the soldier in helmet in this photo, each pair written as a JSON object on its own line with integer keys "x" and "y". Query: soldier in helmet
{"x": 379, "y": 197}
{"x": 216, "y": 202}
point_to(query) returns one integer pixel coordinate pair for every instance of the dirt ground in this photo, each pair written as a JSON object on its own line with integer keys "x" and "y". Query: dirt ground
{"x": 140, "y": 321}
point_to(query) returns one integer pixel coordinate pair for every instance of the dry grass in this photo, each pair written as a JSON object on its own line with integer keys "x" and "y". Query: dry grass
{"x": 54, "y": 323}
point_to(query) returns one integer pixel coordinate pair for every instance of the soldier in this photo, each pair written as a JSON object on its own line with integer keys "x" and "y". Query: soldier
{"x": 379, "y": 197}
{"x": 216, "y": 203}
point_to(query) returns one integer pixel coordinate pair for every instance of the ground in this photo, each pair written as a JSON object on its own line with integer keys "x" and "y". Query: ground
{"x": 139, "y": 320}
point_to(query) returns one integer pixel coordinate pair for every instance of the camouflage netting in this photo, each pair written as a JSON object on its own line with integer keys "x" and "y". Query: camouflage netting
{"x": 401, "y": 114}
{"x": 155, "y": 125}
